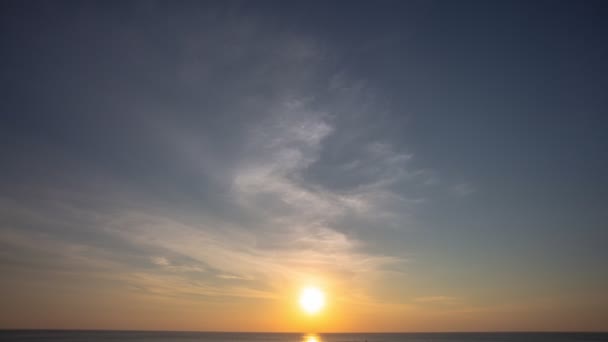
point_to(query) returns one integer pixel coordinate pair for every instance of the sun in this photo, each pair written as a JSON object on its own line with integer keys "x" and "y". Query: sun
{"x": 312, "y": 300}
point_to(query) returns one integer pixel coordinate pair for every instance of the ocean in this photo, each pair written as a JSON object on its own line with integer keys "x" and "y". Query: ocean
{"x": 160, "y": 336}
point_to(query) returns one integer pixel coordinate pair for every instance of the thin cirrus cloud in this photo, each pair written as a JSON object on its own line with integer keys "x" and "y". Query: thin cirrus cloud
{"x": 232, "y": 214}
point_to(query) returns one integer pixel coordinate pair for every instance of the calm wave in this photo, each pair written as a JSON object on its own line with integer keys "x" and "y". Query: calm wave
{"x": 140, "y": 336}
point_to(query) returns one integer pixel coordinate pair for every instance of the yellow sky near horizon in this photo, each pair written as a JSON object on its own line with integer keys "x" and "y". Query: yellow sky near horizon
{"x": 112, "y": 309}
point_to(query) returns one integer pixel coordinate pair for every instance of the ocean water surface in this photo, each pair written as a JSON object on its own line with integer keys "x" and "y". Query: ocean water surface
{"x": 161, "y": 336}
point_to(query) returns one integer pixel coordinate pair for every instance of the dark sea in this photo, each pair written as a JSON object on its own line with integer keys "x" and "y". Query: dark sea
{"x": 140, "y": 336}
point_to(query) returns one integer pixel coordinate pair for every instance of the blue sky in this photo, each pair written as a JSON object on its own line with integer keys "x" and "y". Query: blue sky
{"x": 440, "y": 163}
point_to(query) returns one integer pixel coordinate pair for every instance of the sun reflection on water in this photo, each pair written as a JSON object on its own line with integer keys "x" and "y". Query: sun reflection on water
{"x": 311, "y": 338}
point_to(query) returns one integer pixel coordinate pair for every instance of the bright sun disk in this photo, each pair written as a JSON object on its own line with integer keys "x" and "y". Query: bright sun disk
{"x": 312, "y": 300}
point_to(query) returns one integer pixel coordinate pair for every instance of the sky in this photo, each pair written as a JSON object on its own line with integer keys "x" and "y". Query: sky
{"x": 430, "y": 165}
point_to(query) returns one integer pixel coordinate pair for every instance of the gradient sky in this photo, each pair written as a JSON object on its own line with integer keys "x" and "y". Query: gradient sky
{"x": 432, "y": 165}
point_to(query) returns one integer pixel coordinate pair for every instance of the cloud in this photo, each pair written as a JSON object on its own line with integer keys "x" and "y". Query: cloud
{"x": 160, "y": 261}
{"x": 271, "y": 169}
{"x": 437, "y": 300}
{"x": 463, "y": 189}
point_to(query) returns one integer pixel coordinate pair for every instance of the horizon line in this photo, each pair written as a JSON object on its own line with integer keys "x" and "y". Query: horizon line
{"x": 329, "y": 332}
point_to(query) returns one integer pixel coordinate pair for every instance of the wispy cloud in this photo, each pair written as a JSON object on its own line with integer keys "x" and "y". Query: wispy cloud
{"x": 445, "y": 300}
{"x": 161, "y": 261}
{"x": 463, "y": 189}
{"x": 272, "y": 186}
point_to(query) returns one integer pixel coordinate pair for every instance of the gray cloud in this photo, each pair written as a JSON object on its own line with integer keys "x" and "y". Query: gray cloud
{"x": 265, "y": 163}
